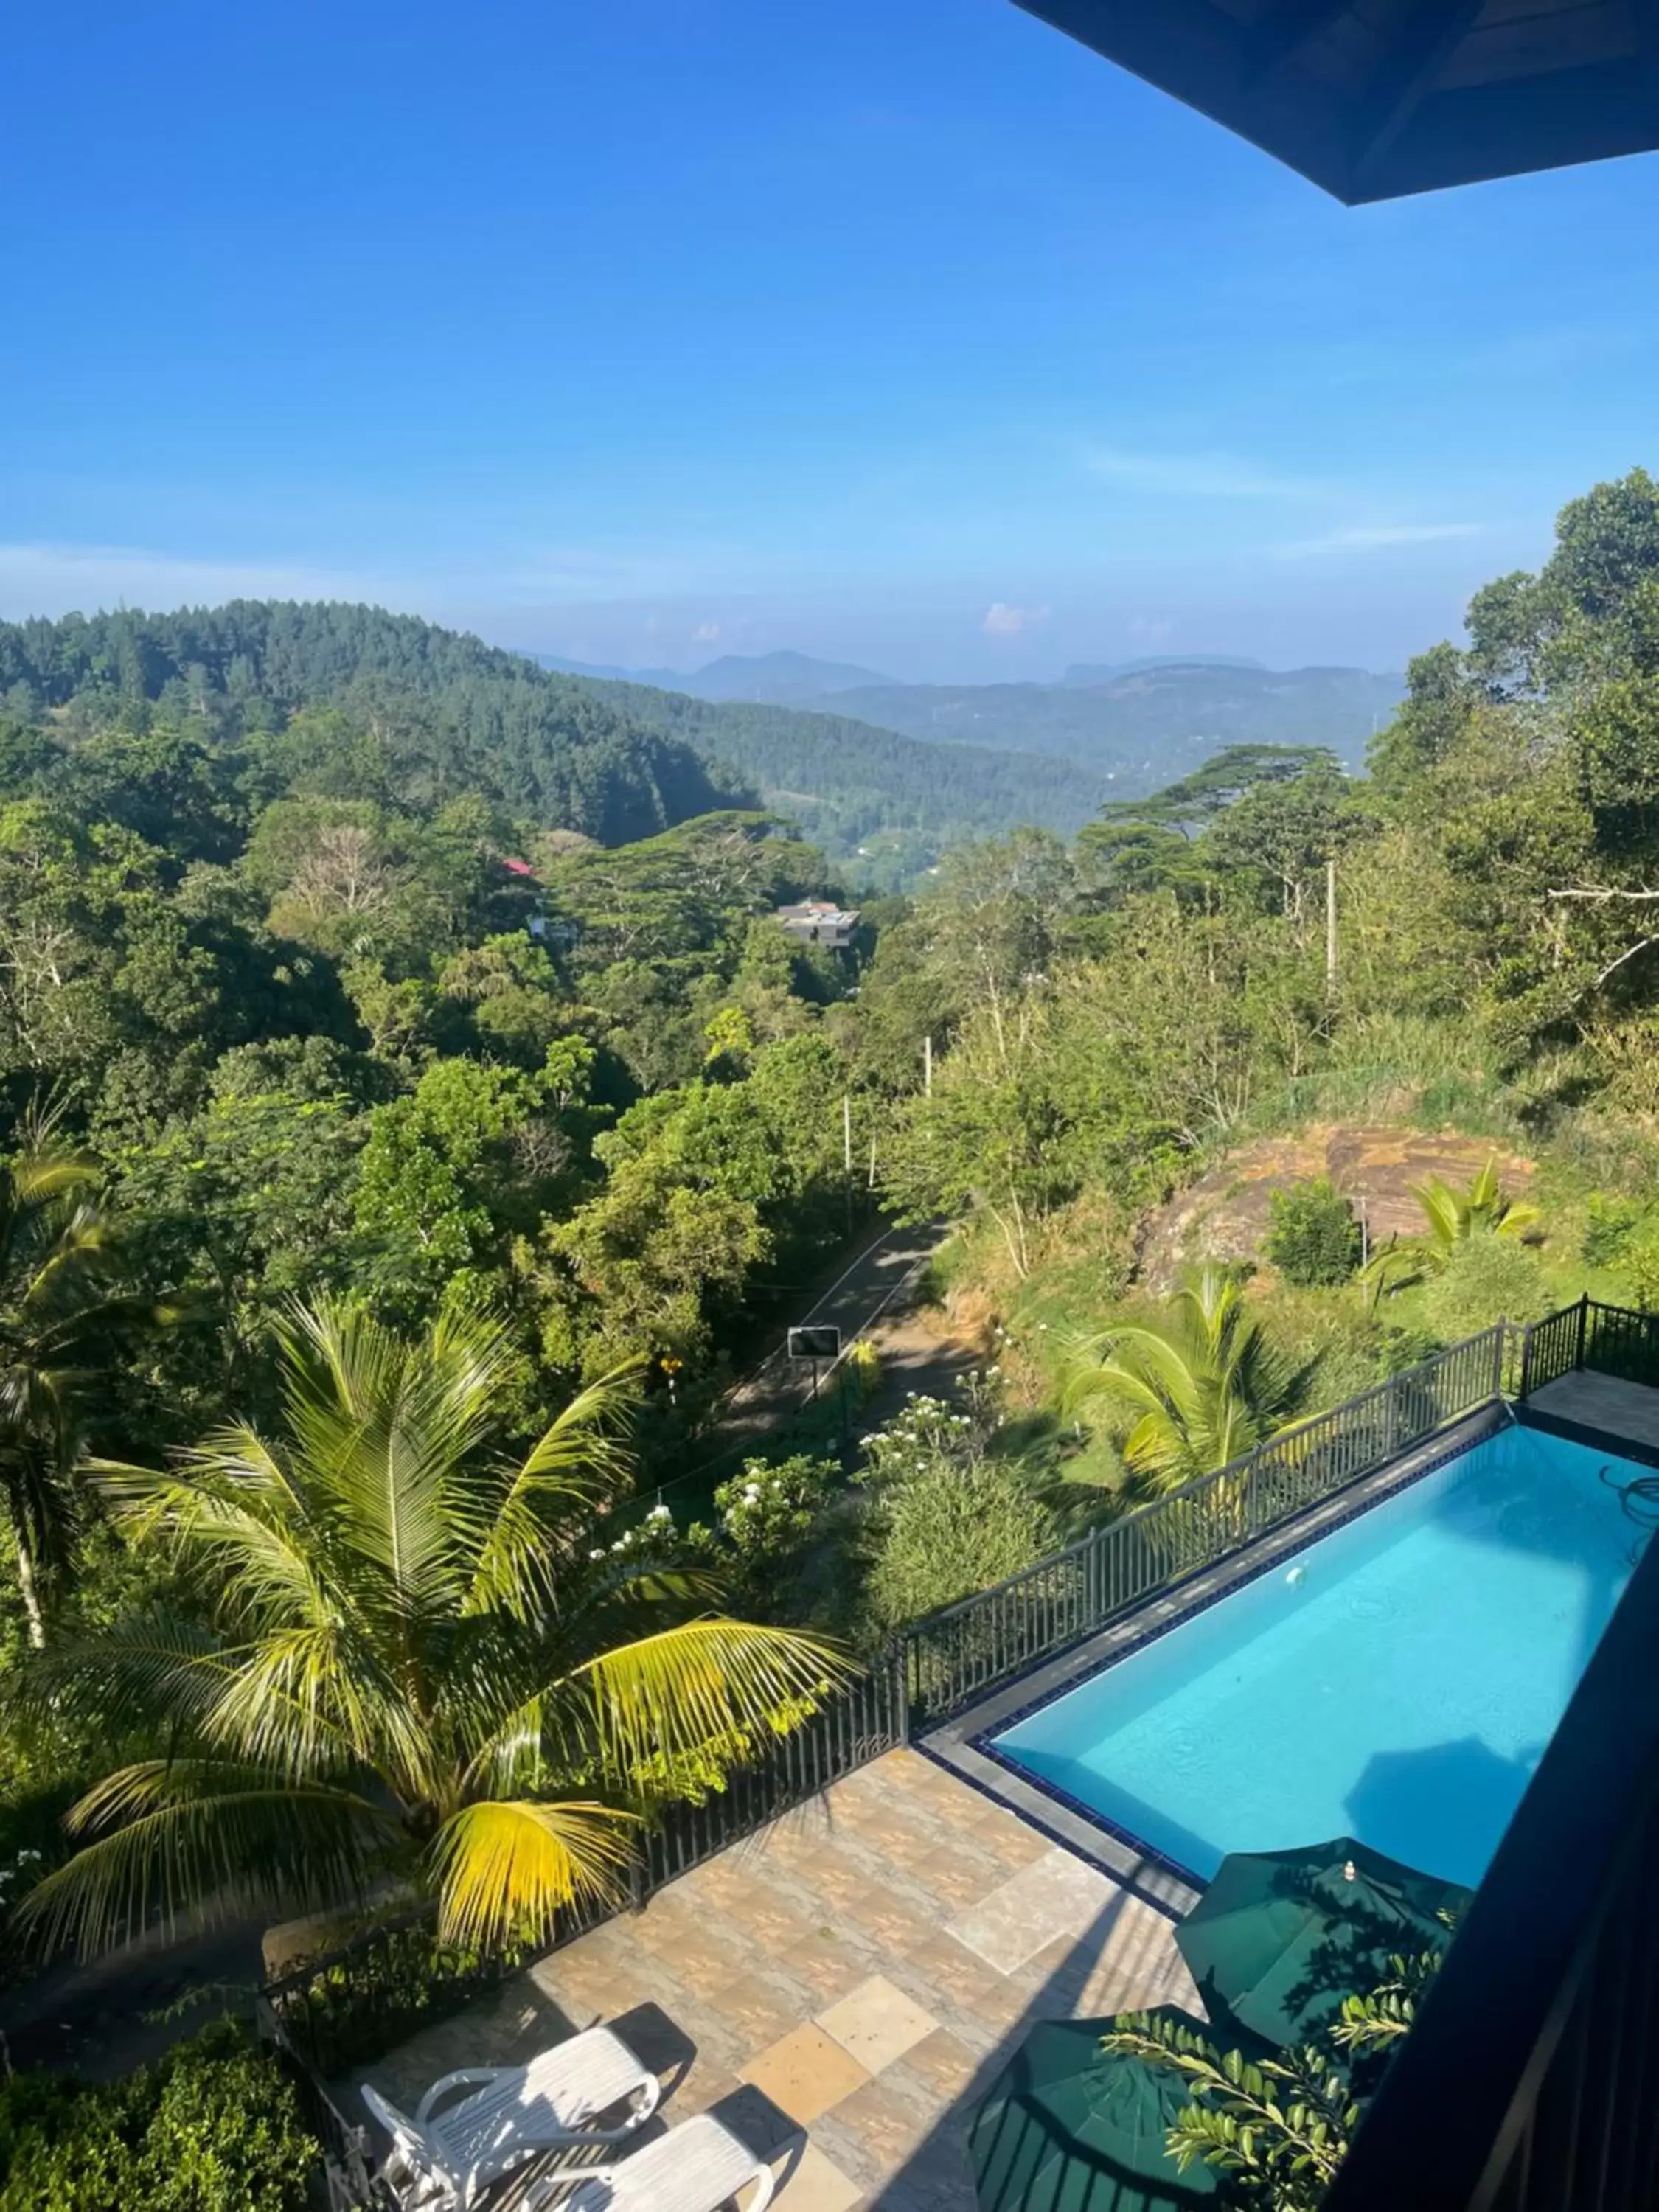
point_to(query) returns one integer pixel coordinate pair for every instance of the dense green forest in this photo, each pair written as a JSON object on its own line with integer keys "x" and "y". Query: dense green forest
{"x": 1136, "y": 724}
{"x": 396, "y": 1043}
{"x": 429, "y": 712}
{"x": 884, "y": 806}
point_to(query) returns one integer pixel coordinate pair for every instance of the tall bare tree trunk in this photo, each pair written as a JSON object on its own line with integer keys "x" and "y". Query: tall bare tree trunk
{"x": 26, "y": 1584}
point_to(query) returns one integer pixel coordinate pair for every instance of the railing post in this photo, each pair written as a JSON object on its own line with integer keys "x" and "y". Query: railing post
{"x": 1500, "y": 1337}
{"x": 1524, "y": 1383}
{"x": 898, "y": 1689}
{"x": 1583, "y": 1329}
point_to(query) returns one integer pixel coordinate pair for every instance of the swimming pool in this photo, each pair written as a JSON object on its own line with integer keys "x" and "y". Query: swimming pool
{"x": 1397, "y": 1681}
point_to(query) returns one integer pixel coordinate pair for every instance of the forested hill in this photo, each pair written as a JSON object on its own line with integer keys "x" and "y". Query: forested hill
{"x": 1144, "y": 726}
{"x": 427, "y": 712}
{"x": 849, "y": 784}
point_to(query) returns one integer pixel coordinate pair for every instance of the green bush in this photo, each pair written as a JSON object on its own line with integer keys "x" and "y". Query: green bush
{"x": 1313, "y": 1238}
{"x": 1487, "y": 1278}
{"x": 949, "y": 1519}
{"x": 766, "y": 1516}
{"x": 1612, "y": 1224}
{"x": 376, "y": 1996}
{"x": 1638, "y": 1264}
{"x": 214, "y": 2127}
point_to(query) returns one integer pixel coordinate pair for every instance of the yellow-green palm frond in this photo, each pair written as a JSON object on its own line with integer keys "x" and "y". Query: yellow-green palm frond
{"x": 1200, "y": 1383}
{"x": 228, "y": 1506}
{"x": 1517, "y": 1219}
{"x": 504, "y": 1869}
{"x": 383, "y": 1427}
{"x": 151, "y": 1675}
{"x": 578, "y": 1464}
{"x": 1445, "y": 1211}
{"x": 702, "y": 1687}
{"x": 164, "y": 1835}
{"x": 300, "y": 1701}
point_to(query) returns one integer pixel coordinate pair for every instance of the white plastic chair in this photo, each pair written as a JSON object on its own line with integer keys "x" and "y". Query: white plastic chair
{"x": 697, "y": 2167}
{"x": 440, "y": 2161}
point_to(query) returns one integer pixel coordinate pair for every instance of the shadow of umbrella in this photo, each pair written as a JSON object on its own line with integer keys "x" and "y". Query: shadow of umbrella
{"x": 1066, "y": 2128}
{"x": 1468, "y": 1792}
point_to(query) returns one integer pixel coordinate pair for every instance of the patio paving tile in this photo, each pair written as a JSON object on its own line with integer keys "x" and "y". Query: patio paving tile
{"x": 830, "y": 1964}
{"x": 1054, "y": 1895}
{"x": 944, "y": 2061}
{"x": 856, "y": 1974}
{"x": 875, "y": 2130}
{"x": 764, "y": 2004}
{"x": 877, "y": 2022}
{"x": 804, "y": 2073}
{"x": 817, "y": 2184}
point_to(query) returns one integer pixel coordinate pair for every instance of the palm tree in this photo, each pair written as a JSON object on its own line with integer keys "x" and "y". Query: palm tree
{"x": 422, "y": 1663}
{"x": 1204, "y": 1382}
{"x": 57, "y": 1320}
{"x": 1451, "y": 1219}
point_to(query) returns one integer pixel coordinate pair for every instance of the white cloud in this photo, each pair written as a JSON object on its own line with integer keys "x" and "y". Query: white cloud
{"x": 1373, "y": 537}
{"x": 1151, "y": 629}
{"x": 1003, "y": 621}
{"x": 1202, "y": 475}
{"x": 706, "y": 632}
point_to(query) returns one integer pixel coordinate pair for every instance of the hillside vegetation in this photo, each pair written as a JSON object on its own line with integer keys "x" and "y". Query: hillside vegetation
{"x": 428, "y": 712}
{"x": 413, "y": 1115}
{"x": 1159, "y": 998}
{"x": 886, "y": 805}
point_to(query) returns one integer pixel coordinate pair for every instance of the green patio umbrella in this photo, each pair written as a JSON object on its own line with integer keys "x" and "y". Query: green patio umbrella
{"x": 1279, "y": 1938}
{"x": 1067, "y": 2129}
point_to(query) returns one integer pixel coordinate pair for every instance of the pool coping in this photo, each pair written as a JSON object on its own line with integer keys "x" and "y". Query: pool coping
{"x": 961, "y": 1744}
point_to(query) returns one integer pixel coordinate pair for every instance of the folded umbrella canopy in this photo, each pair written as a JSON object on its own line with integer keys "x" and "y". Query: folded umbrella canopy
{"x": 1068, "y": 2129}
{"x": 1279, "y": 1938}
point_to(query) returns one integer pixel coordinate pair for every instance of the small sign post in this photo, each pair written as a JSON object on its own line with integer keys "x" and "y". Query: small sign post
{"x": 815, "y": 1344}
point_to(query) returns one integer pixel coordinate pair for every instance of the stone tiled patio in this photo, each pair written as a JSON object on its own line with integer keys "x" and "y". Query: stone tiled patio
{"x": 841, "y": 1988}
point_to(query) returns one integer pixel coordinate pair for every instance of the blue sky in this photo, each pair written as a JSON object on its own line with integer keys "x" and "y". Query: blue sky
{"x": 904, "y": 331}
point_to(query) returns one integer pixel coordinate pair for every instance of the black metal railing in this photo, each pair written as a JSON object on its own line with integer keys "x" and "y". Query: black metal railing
{"x": 955, "y": 1656}
{"x": 1530, "y": 2081}
{"x": 1619, "y": 1342}
{"x": 854, "y": 1727}
{"x": 345, "y": 2149}
{"x": 1600, "y": 1339}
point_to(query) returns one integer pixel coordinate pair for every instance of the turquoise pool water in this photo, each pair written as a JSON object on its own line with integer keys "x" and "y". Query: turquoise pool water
{"x": 1397, "y": 1681}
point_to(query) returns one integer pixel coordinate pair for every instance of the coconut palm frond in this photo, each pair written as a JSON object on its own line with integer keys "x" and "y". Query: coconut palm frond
{"x": 707, "y": 1683}
{"x": 302, "y": 1700}
{"x": 380, "y": 1427}
{"x": 168, "y": 1835}
{"x": 151, "y": 1675}
{"x": 1202, "y": 1382}
{"x": 578, "y": 1464}
{"x": 214, "y": 1509}
{"x": 505, "y": 1869}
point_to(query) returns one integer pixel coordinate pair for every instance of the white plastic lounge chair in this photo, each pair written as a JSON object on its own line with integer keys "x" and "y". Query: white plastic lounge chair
{"x": 697, "y": 2167}
{"x": 440, "y": 2161}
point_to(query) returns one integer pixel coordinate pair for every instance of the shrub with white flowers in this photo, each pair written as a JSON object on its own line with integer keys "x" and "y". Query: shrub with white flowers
{"x": 950, "y": 1515}
{"x": 770, "y": 1512}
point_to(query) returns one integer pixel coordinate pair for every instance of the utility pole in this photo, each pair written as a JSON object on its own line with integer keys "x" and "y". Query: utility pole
{"x": 927, "y": 1068}
{"x": 1330, "y": 929}
{"x": 846, "y": 1150}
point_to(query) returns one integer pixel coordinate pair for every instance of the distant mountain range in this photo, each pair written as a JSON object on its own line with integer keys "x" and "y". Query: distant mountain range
{"x": 1135, "y": 725}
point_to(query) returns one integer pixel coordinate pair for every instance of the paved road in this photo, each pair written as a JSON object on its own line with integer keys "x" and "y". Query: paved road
{"x": 883, "y": 1269}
